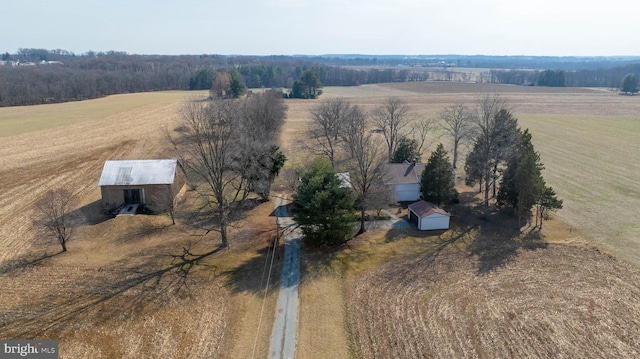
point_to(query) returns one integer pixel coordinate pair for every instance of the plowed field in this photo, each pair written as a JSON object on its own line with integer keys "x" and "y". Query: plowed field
{"x": 559, "y": 302}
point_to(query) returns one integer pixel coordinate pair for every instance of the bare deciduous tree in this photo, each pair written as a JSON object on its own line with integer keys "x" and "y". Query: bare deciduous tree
{"x": 54, "y": 210}
{"x": 221, "y": 86}
{"x": 391, "y": 118}
{"x": 366, "y": 160}
{"x": 258, "y": 155}
{"x": 420, "y": 131}
{"x": 206, "y": 149}
{"x": 327, "y": 122}
{"x": 457, "y": 122}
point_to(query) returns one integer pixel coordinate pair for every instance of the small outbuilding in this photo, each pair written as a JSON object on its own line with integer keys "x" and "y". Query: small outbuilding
{"x": 428, "y": 216}
{"x": 140, "y": 182}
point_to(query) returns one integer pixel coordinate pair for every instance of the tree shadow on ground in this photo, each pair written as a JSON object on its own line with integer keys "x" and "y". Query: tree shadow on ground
{"x": 494, "y": 238}
{"x": 499, "y": 242}
{"x": 90, "y": 214}
{"x": 12, "y": 266}
{"x": 102, "y": 298}
{"x": 499, "y": 238}
{"x": 261, "y": 271}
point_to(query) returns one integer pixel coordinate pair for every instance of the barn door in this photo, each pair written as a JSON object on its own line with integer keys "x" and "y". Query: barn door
{"x": 132, "y": 196}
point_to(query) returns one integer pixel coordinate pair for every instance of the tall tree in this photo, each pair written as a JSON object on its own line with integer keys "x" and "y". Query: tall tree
{"x": 457, "y": 122}
{"x": 496, "y": 133}
{"x": 221, "y": 86}
{"x": 420, "y": 131}
{"x": 236, "y": 85}
{"x": 260, "y": 125}
{"x": 54, "y": 211}
{"x": 436, "y": 183}
{"x": 328, "y": 120}
{"x": 522, "y": 182}
{"x": 308, "y": 86}
{"x": 326, "y": 206}
{"x": 365, "y": 161}
{"x": 202, "y": 80}
{"x": 551, "y": 78}
{"x": 391, "y": 118}
{"x": 407, "y": 150}
{"x": 206, "y": 148}
{"x": 311, "y": 83}
{"x": 629, "y": 84}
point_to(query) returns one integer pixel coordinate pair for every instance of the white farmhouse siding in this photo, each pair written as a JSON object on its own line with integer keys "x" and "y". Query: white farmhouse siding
{"x": 428, "y": 216}
{"x": 404, "y": 180}
{"x": 407, "y": 192}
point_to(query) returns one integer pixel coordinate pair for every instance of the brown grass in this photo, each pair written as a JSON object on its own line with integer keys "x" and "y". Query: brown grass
{"x": 562, "y": 301}
{"x": 118, "y": 291}
{"x": 114, "y": 293}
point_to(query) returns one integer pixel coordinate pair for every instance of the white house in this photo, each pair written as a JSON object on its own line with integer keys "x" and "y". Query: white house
{"x": 404, "y": 180}
{"x": 428, "y": 216}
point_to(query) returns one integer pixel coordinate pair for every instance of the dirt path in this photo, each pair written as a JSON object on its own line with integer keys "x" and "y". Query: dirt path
{"x": 283, "y": 338}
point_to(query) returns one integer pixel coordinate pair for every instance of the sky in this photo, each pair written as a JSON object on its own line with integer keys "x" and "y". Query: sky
{"x": 318, "y": 27}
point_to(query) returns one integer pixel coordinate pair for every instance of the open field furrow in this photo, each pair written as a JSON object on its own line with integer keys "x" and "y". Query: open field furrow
{"x": 543, "y": 304}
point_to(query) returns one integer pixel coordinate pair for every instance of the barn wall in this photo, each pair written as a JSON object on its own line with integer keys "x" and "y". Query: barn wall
{"x": 150, "y": 195}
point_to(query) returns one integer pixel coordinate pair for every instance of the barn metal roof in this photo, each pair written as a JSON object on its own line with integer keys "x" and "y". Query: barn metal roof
{"x": 138, "y": 172}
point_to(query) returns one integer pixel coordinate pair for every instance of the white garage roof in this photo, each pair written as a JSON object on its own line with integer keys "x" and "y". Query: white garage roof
{"x": 138, "y": 172}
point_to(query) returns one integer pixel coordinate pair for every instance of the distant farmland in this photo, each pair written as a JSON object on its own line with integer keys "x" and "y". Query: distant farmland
{"x": 385, "y": 295}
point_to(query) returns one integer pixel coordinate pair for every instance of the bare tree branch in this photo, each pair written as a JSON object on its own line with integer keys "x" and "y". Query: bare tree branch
{"x": 391, "y": 118}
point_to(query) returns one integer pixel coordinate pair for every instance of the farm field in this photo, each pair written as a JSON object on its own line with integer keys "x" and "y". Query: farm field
{"x": 114, "y": 293}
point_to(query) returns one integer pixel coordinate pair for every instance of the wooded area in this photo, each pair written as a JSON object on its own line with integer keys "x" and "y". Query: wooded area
{"x": 38, "y": 76}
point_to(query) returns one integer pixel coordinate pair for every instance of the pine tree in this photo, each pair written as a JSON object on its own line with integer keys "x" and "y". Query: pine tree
{"x": 436, "y": 183}
{"x": 548, "y": 201}
{"x": 522, "y": 183}
{"x": 326, "y": 208}
{"x": 407, "y": 150}
{"x": 629, "y": 84}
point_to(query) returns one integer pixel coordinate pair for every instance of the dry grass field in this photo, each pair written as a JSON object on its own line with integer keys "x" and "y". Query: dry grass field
{"x": 122, "y": 290}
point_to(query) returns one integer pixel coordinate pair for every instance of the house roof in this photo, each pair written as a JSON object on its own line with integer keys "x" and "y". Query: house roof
{"x": 138, "y": 172}
{"x": 403, "y": 173}
{"x": 424, "y": 209}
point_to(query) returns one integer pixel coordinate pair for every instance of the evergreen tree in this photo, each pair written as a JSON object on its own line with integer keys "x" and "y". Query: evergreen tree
{"x": 407, "y": 150}
{"x": 629, "y": 84}
{"x": 237, "y": 85}
{"x": 522, "y": 185}
{"x": 522, "y": 179}
{"x": 436, "y": 184}
{"x": 326, "y": 208}
{"x": 201, "y": 80}
{"x": 547, "y": 202}
{"x": 308, "y": 86}
{"x": 493, "y": 143}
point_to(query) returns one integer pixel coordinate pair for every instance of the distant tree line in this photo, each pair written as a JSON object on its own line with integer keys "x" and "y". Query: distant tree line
{"x": 37, "y": 76}
{"x": 53, "y": 76}
{"x": 605, "y": 77}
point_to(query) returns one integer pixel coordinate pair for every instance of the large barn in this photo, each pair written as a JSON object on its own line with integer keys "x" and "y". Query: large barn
{"x": 140, "y": 182}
